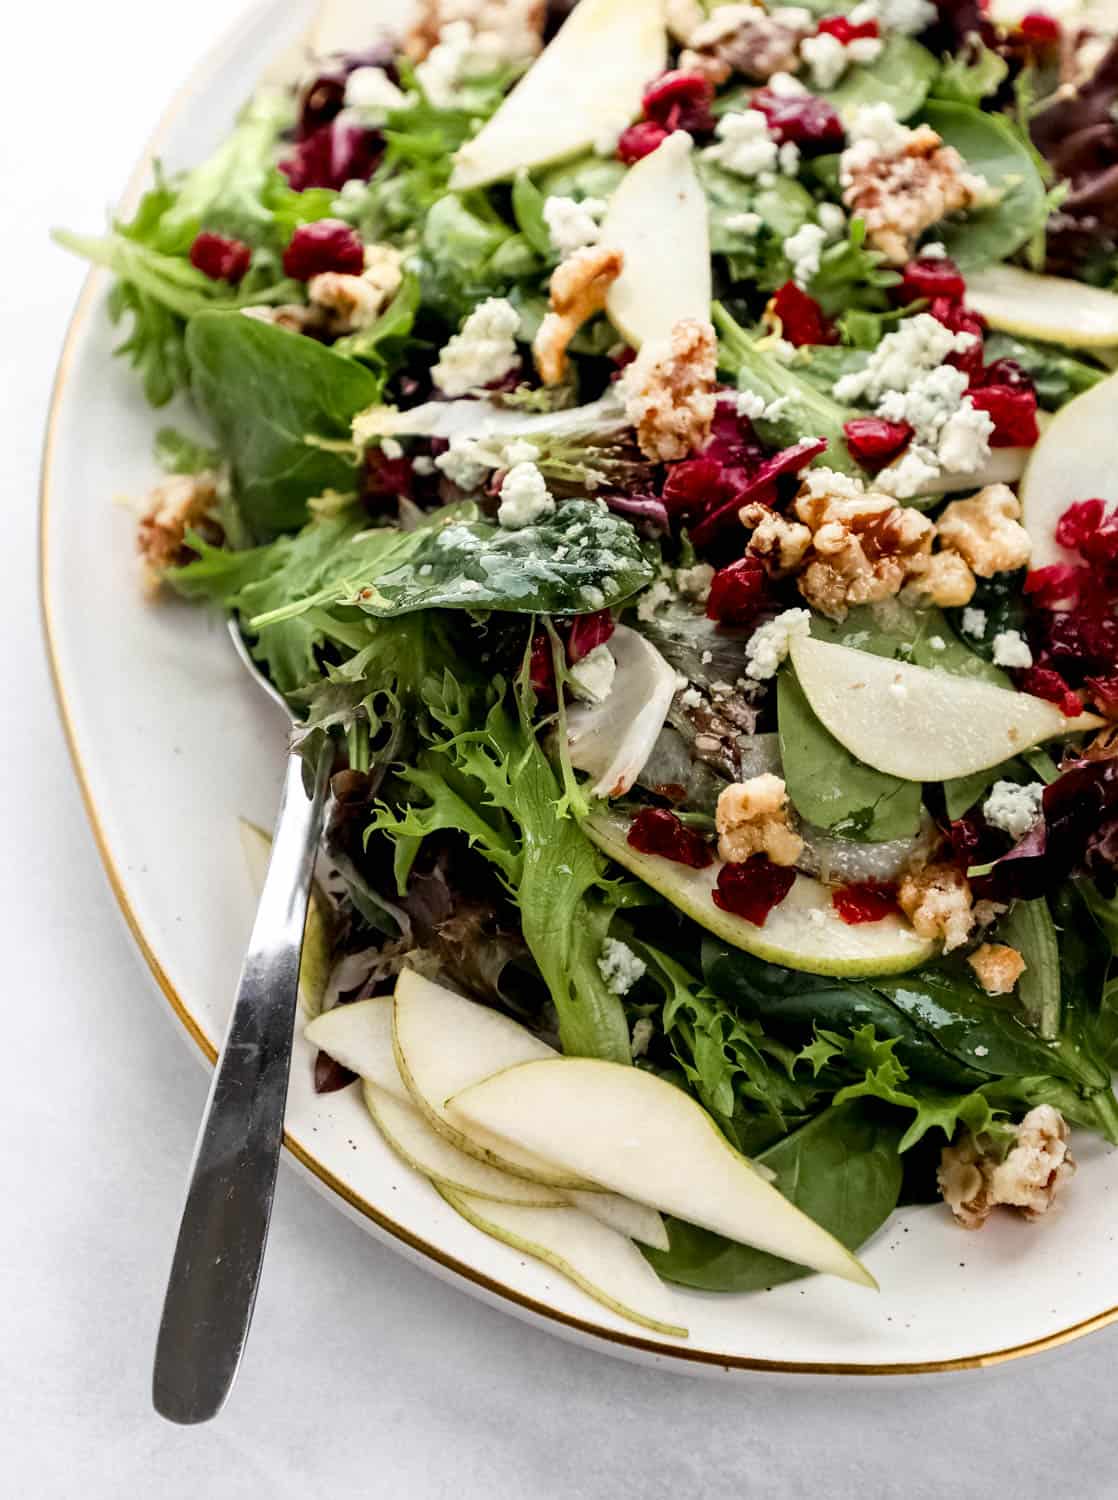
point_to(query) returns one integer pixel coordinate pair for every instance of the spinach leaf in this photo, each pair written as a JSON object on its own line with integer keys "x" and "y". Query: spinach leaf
{"x": 178, "y": 453}
{"x": 272, "y": 398}
{"x": 900, "y": 76}
{"x": 961, "y": 793}
{"x": 1029, "y": 928}
{"x": 1057, "y": 375}
{"x": 990, "y": 145}
{"x": 1001, "y": 601}
{"x": 832, "y": 788}
{"x": 971, "y": 75}
{"x": 842, "y": 1169}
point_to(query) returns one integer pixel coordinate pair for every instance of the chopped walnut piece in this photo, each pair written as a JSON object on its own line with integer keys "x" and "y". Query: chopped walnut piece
{"x": 942, "y": 578}
{"x": 997, "y": 967}
{"x": 178, "y": 504}
{"x": 986, "y": 532}
{"x": 974, "y": 1181}
{"x": 898, "y": 194}
{"x": 744, "y": 39}
{"x": 752, "y": 818}
{"x": 936, "y": 899}
{"x": 577, "y": 290}
{"x": 290, "y": 315}
{"x": 780, "y": 544}
{"x": 669, "y": 391}
{"x": 510, "y": 29}
{"x": 344, "y": 303}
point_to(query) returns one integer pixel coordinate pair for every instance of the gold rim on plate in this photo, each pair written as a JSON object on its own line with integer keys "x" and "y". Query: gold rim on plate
{"x": 496, "y": 1289}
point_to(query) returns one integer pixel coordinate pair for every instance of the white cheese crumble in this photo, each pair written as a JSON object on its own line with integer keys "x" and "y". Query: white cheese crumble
{"x": 872, "y": 130}
{"x": 691, "y": 698}
{"x": 770, "y": 644}
{"x": 694, "y": 582}
{"x": 786, "y": 86}
{"x": 461, "y": 465}
{"x": 1012, "y": 808}
{"x": 447, "y": 63}
{"x": 592, "y": 677}
{"x": 1011, "y": 649}
{"x": 391, "y": 448}
{"x": 744, "y": 144}
{"x": 653, "y": 597}
{"x": 974, "y": 622}
{"x": 525, "y": 497}
{"x": 757, "y": 409}
{"x": 826, "y": 59}
{"x": 643, "y": 1032}
{"x": 573, "y": 224}
{"x": 833, "y": 220}
{"x": 937, "y": 643}
{"x": 803, "y": 249}
{"x": 371, "y": 89}
{"x": 918, "y": 345}
{"x": 909, "y": 17}
{"x": 744, "y": 223}
{"x": 482, "y": 352}
{"x": 935, "y": 250}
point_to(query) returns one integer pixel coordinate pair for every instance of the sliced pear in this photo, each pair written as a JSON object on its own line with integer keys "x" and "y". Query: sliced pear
{"x": 1002, "y": 466}
{"x": 1076, "y": 459}
{"x": 443, "y": 1044}
{"x": 431, "y": 1154}
{"x": 917, "y": 723}
{"x": 658, "y": 219}
{"x": 636, "y": 1221}
{"x": 589, "y": 81}
{"x": 641, "y": 1136}
{"x": 1044, "y": 307}
{"x": 613, "y": 739}
{"x": 317, "y": 958}
{"x": 606, "y": 1265}
{"x": 359, "y": 1036}
{"x": 803, "y": 932}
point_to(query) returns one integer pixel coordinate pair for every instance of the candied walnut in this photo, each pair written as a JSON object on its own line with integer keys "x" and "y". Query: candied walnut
{"x": 752, "y": 818}
{"x": 348, "y": 303}
{"x": 986, "y": 532}
{"x": 997, "y": 967}
{"x": 942, "y": 578}
{"x": 669, "y": 391}
{"x": 864, "y": 545}
{"x": 509, "y": 29}
{"x": 900, "y": 193}
{"x": 290, "y": 315}
{"x": 781, "y": 545}
{"x": 974, "y": 1181}
{"x": 936, "y": 899}
{"x": 175, "y": 506}
{"x": 744, "y": 39}
{"x": 577, "y": 291}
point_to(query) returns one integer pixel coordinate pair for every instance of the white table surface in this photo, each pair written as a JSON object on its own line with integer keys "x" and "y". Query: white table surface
{"x": 364, "y": 1376}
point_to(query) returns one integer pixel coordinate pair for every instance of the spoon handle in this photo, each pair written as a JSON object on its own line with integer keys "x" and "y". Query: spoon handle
{"x": 220, "y": 1248}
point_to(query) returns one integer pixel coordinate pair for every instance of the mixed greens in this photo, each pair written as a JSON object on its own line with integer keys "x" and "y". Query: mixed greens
{"x": 685, "y": 504}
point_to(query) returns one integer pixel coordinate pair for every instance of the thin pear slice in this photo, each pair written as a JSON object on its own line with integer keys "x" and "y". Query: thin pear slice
{"x": 443, "y": 1044}
{"x": 317, "y": 958}
{"x": 359, "y": 1036}
{"x": 917, "y": 723}
{"x": 1076, "y": 458}
{"x": 803, "y": 932}
{"x": 431, "y": 1154}
{"x": 1001, "y": 466}
{"x": 1044, "y": 307}
{"x": 658, "y": 219}
{"x": 641, "y": 1136}
{"x": 588, "y": 82}
{"x": 606, "y": 1265}
{"x": 612, "y": 740}
{"x": 636, "y": 1221}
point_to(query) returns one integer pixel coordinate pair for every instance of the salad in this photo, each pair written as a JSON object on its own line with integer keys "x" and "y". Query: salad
{"x": 671, "y": 450}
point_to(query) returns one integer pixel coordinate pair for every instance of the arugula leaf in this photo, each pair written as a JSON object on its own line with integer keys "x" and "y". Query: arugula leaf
{"x": 273, "y": 398}
{"x": 991, "y": 146}
{"x": 852, "y": 279}
{"x": 900, "y": 76}
{"x": 842, "y": 1168}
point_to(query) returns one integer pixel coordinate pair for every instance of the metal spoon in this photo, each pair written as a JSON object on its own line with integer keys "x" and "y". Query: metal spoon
{"x": 220, "y": 1249}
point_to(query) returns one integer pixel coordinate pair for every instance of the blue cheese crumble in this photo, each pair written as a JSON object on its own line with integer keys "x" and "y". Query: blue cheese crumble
{"x": 620, "y": 967}
{"x": 482, "y": 352}
{"x": 1012, "y": 808}
{"x": 1011, "y": 649}
{"x": 525, "y": 497}
{"x": 770, "y": 644}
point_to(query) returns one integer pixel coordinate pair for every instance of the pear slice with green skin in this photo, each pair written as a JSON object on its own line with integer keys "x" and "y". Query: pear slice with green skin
{"x": 432, "y": 1155}
{"x": 639, "y": 1135}
{"x": 1076, "y": 458}
{"x": 804, "y": 931}
{"x": 317, "y": 957}
{"x": 657, "y": 218}
{"x": 919, "y": 724}
{"x": 443, "y": 1044}
{"x": 587, "y": 83}
{"x": 1050, "y": 308}
{"x": 603, "y": 1263}
{"x": 359, "y": 1036}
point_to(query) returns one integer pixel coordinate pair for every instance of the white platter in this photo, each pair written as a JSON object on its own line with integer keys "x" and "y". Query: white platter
{"x": 172, "y": 746}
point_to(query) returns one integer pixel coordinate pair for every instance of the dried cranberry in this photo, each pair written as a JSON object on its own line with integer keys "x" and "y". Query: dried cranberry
{"x": 801, "y": 318}
{"x": 1078, "y": 641}
{"x": 587, "y": 632}
{"x": 1080, "y": 521}
{"x": 1102, "y": 545}
{"x": 760, "y": 485}
{"x": 692, "y": 485}
{"x": 1013, "y": 413}
{"x": 541, "y": 668}
{"x": 1043, "y": 682}
{"x": 654, "y": 830}
{"x": 969, "y": 836}
{"x": 1005, "y": 372}
{"x": 678, "y": 100}
{"x": 930, "y": 277}
{"x": 737, "y": 592}
{"x": 1059, "y": 583}
{"x": 873, "y": 440}
{"x": 640, "y": 140}
{"x": 1040, "y": 29}
{"x": 807, "y": 121}
{"x": 220, "y": 258}
{"x": 327, "y": 245}
{"x": 1103, "y": 693}
{"x": 865, "y": 901}
{"x": 334, "y": 155}
{"x": 752, "y": 889}
{"x": 844, "y": 30}
{"x": 386, "y": 478}
{"x": 959, "y": 319}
